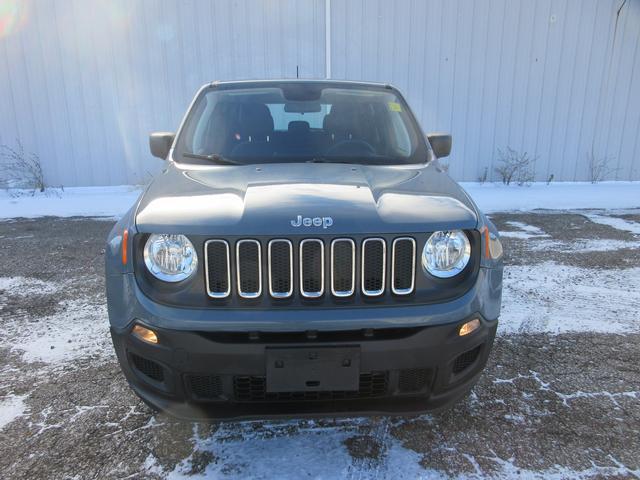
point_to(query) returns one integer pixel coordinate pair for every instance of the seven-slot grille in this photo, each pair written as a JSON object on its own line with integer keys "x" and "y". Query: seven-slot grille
{"x": 310, "y": 271}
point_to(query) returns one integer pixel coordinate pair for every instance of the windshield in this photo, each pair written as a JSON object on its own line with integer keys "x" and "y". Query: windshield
{"x": 300, "y": 122}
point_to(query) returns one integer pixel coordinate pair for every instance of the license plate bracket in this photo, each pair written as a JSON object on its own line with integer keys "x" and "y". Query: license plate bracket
{"x": 313, "y": 369}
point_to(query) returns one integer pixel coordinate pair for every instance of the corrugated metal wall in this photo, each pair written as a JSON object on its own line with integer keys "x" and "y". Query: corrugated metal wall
{"x": 82, "y": 83}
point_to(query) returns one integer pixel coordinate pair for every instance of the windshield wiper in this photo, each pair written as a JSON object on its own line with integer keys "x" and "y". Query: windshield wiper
{"x": 214, "y": 157}
{"x": 328, "y": 160}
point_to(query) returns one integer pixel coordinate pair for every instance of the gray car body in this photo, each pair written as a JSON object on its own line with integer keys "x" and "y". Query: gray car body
{"x": 262, "y": 200}
{"x": 249, "y": 200}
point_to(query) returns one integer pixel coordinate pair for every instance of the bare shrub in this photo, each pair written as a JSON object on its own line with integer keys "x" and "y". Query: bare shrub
{"x": 599, "y": 168}
{"x": 515, "y": 166}
{"x": 483, "y": 178}
{"x": 21, "y": 169}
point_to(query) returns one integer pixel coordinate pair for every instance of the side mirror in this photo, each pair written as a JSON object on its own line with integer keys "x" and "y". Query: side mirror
{"x": 440, "y": 144}
{"x": 160, "y": 144}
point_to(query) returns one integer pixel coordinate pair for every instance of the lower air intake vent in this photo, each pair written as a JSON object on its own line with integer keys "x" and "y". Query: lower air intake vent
{"x": 465, "y": 360}
{"x": 205, "y": 387}
{"x": 413, "y": 380}
{"x": 254, "y": 389}
{"x": 148, "y": 367}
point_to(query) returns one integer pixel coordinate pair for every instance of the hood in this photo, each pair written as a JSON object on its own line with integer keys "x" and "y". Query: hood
{"x": 305, "y": 199}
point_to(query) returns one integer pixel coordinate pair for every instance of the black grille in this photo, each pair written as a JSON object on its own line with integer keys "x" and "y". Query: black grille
{"x": 205, "y": 387}
{"x": 280, "y": 268}
{"x": 311, "y": 265}
{"x": 373, "y": 266}
{"x": 403, "y": 265}
{"x": 218, "y": 268}
{"x": 414, "y": 380}
{"x": 343, "y": 267}
{"x": 249, "y": 281}
{"x": 148, "y": 367}
{"x": 464, "y": 360}
{"x": 254, "y": 389}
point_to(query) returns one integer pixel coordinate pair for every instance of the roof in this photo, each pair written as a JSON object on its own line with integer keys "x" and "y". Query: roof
{"x": 268, "y": 82}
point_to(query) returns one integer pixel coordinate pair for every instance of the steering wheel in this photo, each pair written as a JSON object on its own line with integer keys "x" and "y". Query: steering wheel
{"x": 351, "y": 147}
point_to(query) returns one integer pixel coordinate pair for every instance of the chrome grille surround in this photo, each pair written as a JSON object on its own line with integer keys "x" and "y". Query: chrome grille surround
{"x": 303, "y": 292}
{"x": 380, "y": 291}
{"x": 242, "y": 293}
{"x": 206, "y": 266}
{"x": 343, "y": 293}
{"x": 273, "y": 293}
{"x": 311, "y": 268}
{"x": 403, "y": 291}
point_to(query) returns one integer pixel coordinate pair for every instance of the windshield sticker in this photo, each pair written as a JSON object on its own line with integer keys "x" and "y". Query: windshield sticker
{"x": 395, "y": 107}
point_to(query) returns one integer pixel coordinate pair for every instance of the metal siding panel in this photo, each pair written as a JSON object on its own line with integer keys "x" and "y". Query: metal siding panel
{"x": 83, "y": 83}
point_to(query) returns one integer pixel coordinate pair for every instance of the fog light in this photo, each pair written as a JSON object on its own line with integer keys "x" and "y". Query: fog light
{"x": 469, "y": 327}
{"x": 145, "y": 334}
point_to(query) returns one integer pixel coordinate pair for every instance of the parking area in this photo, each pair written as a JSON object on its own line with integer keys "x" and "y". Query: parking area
{"x": 560, "y": 396}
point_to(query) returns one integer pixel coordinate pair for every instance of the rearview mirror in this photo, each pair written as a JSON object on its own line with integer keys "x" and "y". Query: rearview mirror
{"x": 302, "y": 107}
{"x": 160, "y": 144}
{"x": 440, "y": 144}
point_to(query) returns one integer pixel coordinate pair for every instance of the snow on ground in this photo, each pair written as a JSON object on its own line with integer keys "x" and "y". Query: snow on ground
{"x": 107, "y": 202}
{"x": 308, "y": 449}
{"x": 293, "y": 449}
{"x": 80, "y": 330}
{"x": 552, "y": 298}
{"x": 11, "y": 407}
{"x": 615, "y": 222}
{"x": 490, "y": 197}
{"x": 592, "y": 245}
{"x": 75, "y": 329}
{"x": 524, "y": 231}
{"x": 493, "y": 197}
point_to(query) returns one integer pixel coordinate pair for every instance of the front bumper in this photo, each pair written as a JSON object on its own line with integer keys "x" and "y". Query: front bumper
{"x": 212, "y": 363}
{"x": 195, "y": 375}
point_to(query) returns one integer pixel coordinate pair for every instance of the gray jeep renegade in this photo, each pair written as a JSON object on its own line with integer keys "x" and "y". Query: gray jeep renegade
{"x": 303, "y": 252}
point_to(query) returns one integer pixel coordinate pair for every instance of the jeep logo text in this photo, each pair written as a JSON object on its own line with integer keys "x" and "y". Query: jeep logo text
{"x": 324, "y": 222}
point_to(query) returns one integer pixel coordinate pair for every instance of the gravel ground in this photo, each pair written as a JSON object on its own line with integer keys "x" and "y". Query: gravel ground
{"x": 560, "y": 396}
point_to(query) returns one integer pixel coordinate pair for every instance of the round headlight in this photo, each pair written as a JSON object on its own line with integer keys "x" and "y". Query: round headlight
{"x": 446, "y": 253}
{"x": 170, "y": 258}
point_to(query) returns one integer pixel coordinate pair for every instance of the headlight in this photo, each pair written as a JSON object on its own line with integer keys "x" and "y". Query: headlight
{"x": 446, "y": 253}
{"x": 170, "y": 257}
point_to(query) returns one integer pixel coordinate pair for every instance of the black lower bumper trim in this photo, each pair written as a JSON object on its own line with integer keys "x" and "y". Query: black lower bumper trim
{"x": 408, "y": 374}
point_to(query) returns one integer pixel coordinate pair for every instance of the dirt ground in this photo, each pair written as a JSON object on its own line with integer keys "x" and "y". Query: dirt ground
{"x": 560, "y": 396}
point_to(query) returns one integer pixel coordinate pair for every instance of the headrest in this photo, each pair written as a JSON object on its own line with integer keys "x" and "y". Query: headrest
{"x": 256, "y": 120}
{"x": 298, "y": 126}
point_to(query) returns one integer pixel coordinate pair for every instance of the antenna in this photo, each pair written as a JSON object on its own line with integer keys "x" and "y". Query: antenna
{"x": 297, "y": 72}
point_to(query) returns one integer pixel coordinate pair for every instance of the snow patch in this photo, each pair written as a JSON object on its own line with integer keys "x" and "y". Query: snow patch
{"x": 21, "y": 286}
{"x": 552, "y": 298}
{"x": 71, "y": 202}
{"x": 11, "y": 408}
{"x": 523, "y": 231}
{"x": 584, "y": 246}
{"x": 615, "y": 222}
{"x": 79, "y": 330}
{"x": 307, "y": 449}
{"x": 494, "y": 197}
